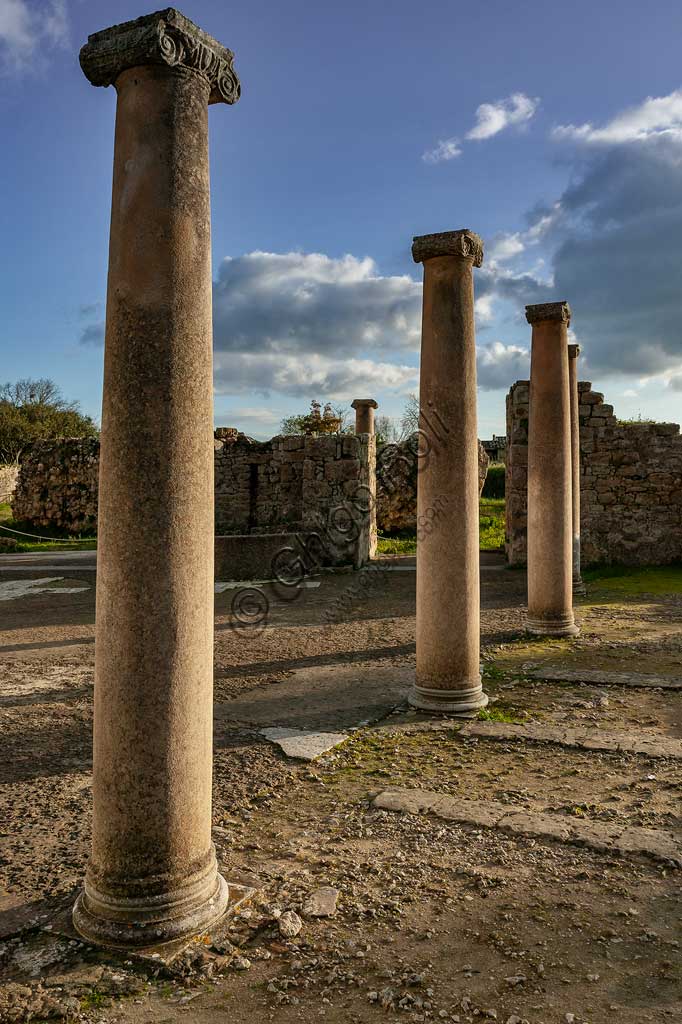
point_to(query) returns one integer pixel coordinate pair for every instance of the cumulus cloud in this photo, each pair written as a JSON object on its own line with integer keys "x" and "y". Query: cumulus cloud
{"x": 675, "y": 382}
{"x": 492, "y": 118}
{"x": 308, "y": 302}
{"x": 499, "y": 365}
{"x": 26, "y": 26}
{"x": 660, "y": 115}
{"x": 307, "y": 374}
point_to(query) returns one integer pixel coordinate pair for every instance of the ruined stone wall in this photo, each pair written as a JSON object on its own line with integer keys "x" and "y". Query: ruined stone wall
{"x": 323, "y": 485}
{"x": 57, "y": 485}
{"x": 631, "y": 484}
{"x": 396, "y": 475}
{"x": 320, "y": 485}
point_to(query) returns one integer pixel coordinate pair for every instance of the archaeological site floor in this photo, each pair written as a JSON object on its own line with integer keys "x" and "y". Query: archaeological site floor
{"x": 522, "y": 866}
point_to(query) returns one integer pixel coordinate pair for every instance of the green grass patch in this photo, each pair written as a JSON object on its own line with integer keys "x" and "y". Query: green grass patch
{"x": 623, "y": 580}
{"x": 491, "y": 527}
{"x": 497, "y": 714}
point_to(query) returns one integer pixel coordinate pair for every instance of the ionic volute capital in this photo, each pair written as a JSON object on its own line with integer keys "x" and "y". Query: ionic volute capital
{"x": 165, "y": 38}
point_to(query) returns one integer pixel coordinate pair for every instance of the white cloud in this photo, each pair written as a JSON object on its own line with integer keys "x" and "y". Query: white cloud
{"x": 492, "y": 118}
{"x": 505, "y": 247}
{"x": 499, "y": 365}
{"x": 308, "y": 374}
{"x": 296, "y": 302}
{"x": 24, "y": 27}
{"x": 447, "y": 149}
{"x": 661, "y": 115}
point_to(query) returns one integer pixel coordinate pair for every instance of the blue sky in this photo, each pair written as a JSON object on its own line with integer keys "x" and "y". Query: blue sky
{"x": 553, "y": 131}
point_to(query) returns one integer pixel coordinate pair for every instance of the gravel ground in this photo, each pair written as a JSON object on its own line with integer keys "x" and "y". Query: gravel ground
{"x": 434, "y": 920}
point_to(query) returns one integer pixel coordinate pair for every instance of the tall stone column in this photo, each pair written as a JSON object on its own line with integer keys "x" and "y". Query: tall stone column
{"x": 448, "y": 600}
{"x": 364, "y": 414}
{"x": 550, "y": 513}
{"x": 573, "y": 353}
{"x": 153, "y": 874}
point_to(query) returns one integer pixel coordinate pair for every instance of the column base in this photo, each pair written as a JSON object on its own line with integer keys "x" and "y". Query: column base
{"x": 552, "y": 627}
{"x": 579, "y": 585}
{"x": 131, "y": 922}
{"x": 452, "y": 702}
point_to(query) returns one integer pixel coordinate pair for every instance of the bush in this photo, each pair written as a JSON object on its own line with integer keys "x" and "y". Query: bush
{"x": 494, "y": 482}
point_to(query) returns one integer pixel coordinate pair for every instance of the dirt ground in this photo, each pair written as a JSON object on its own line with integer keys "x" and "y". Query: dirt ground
{"x": 436, "y": 919}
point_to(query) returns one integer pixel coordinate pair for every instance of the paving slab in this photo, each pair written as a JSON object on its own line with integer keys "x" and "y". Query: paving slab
{"x": 641, "y": 741}
{"x": 605, "y": 678}
{"x": 656, "y": 844}
{"x": 304, "y": 745}
{"x": 323, "y": 698}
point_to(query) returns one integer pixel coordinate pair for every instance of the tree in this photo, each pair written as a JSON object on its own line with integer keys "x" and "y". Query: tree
{"x": 386, "y": 430}
{"x": 409, "y": 422}
{"x": 35, "y": 410}
{"x": 305, "y": 423}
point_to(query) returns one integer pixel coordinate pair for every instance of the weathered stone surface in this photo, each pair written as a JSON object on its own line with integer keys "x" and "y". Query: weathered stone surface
{"x": 604, "y": 678}
{"x": 322, "y": 902}
{"x": 630, "y": 483}
{"x": 57, "y": 485}
{"x": 289, "y": 924}
{"x": 397, "y": 469}
{"x": 649, "y": 743}
{"x": 304, "y": 745}
{"x": 656, "y": 844}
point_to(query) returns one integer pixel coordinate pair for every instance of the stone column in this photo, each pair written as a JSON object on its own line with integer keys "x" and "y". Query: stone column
{"x": 573, "y": 353}
{"x": 153, "y": 874}
{"x": 448, "y": 599}
{"x": 550, "y": 514}
{"x": 364, "y": 414}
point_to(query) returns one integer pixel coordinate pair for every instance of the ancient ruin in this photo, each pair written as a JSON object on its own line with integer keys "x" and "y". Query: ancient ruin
{"x": 448, "y": 676}
{"x": 630, "y": 484}
{"x": 153, "y": 873}
{"x": 434, "y": 798}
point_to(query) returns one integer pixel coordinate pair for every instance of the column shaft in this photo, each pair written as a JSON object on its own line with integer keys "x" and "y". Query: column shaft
{"x": 550, "y": 516}
{"x": 153, "y": 874}
{"x": 448, "y": 600}
{"x": 573, "y": 353}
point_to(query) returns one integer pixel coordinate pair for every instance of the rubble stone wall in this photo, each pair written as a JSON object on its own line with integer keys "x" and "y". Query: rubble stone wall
{"x": 313, "y": 485}
{"x": 321, "y": 486}
{"x": 630, "y": 484}
{"x": 397, "y": 470}
{"x": 57, "y": 485}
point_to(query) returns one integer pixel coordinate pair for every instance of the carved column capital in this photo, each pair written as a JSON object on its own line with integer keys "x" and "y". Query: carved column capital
{"x": 573, "y": 351}
{"x": 560, "y": 311}
{"x": 166, "y": 38}
{"x": 363, "y": 403}
{"x": 464, "y": 243}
